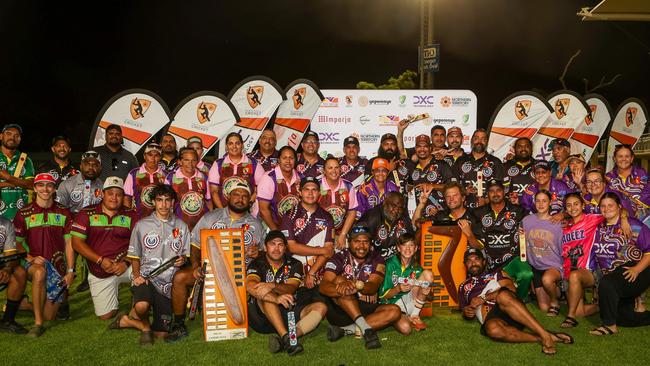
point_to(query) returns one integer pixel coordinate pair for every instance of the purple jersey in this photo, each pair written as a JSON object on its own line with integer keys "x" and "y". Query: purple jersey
{"x": 635, "y": 187}
{"x": 611, "y": 249}
{"x": 473, "y": 286}
{"x": 369, "y": 196}
{"x": 592, "y": 206}
{"x": 346, "y": 265}
{"x": 558, "y": 190}
{"x": 543, "y": 243}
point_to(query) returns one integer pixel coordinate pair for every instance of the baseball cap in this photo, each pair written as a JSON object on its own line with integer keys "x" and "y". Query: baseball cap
{"x": 13, "y": 125}
{"x": 577, "y": 156}
{"x": 153, "y": 146}
{"x": 45, "y": 178}
{"x": 380, "y": 163}
{"x": 275, "y": 234}
{"x": 351, "y": 140}
{"x": 455, "y": 130}
{"x": 422, "y": 139}
{"x": 91, "y": 154}
{"x": 542, "y": 164}
{"x": 310, "y": 134}
{"x": 387, "y": 136}
{"x": 358, "y": 230}
{"x": 60, "y": 138}
{"x": 113, "y": 182}
{"x": 194, "y": 139}
{"x": 114, "y": 127}
{"x": 561, "y": 142}
{"x": 233, "y": 184}
{"x": 473, "y": 251}
{"x": 306, "y": 180}
{"x": 494, "y": 182}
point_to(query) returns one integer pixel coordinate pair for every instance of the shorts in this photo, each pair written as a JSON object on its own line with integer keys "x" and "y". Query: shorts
{"x": 258, "y": 322}
{"x": 308, "y": 296}
{"x": 105, "y": 291}
{"x": 53, "y": 291}
{"x": 538, "y": 274}
{"x": 162, "y": 306}
{"x": 497, "y": 313}
{"x": 406, "y": 303}
{"x": 337, "y": 316}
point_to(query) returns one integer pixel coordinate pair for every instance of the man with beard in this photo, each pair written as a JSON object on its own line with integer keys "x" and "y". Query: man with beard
{"x": 454, "y": 143}
{"x": 544, "y": 181}
{"x": 278, "y": 190}
{"x": 386, "y": 223}
{"x": 489, "y": 297}
{"x": 351, "y": 284}
{"x": 475, "y": 169}
{"x": 309, "y": 163}
{"x": 267, "y": 156}
{"x": 60, "y": 166}
{"x": 560, "y": 149}
{"x": 142, "y": 180}
{"x": 84, "y": 189}
{"x": 438, "y": 136}
{"x": 170, "y": 155}
{"x": 353, "y": 167}
{"x": 16, "y": 172}
{"x": 429, "y": 177}
{"x": 116, "y": 161}
{"x": 400, "y": 171}
{"x": 519, "y": 170}
{"x": 235, "y": 215}
{"x": 191, "y": 187}
{"x": 495, "y": 228}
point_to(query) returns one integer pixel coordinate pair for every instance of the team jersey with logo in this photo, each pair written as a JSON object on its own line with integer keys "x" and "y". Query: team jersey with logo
{"x": 306, "y": 169}
{"x": 352, "y": 173}
{"x": 474, "y": 286}
{"x": 14, "y": 198}
{"x": 169, "y": 166}
{"x": 592, "y": 206}
{"x": 281, "y": 195}
{"x": 369, "y": 196}
{"x": 204, "y": 167}
{"x": 394, "y": 270}
{"x": 435, "y": 172}
{"x": 267, "y": 163}
{"x": 612, "y": 249}
{"x": 193, "y": 194}
{"x": 577, "y": 241}
{"x": 138, "y": 185}
{"x": 263, "y": 271}
{"x": 446, "y": 216}
{"x": 635, "y": 187}
{"x": 558, "y": 190}
{"x": 7, "y": 236}
{"x": 384, "y": 234}
{"x": 224, "y": 169}
{"x": 345, "y": 264}
{"x": 518, "y": 176}
{"x": 58, "y": 172}
{"x": 76, "y": 193}
{"x": 466, "y": 168}
{"x": 338, "y": 200}
{"x": 498, "y": 232}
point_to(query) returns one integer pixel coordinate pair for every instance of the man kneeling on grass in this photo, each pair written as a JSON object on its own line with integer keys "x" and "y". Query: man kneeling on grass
{"x": 351, "y": 281}
{"x": 490, "y": 297}
{"x": 156, "y": 240}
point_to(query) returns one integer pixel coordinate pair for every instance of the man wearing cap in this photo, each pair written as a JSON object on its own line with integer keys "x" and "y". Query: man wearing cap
{"x": 339, "y": 198}
{"x": 438, "y": 135}
{"x": 235, "y": 215}
{"x": 371, "y": 194}
{"x": 43, "y": 227}
{"x": 560, "y": 149}
{"x": 12, "y": 275}
{"x": 278, "y": 190}
{"x": 272, "y": 282}
{"x": 84, "y": 189}
{"x": 116, "y": 161}
{"x": 489, "y": 297}
{"x": 454, "y": 142}
{"x": 353, "y": 167}
{"x": 267, "y": 156}
{"x": 519, "y": 171}
{"x": 196, "y": 143}
{"x": 544, "y": 181}
{"x": 401, "y": 169}
{"x": 101, "y": 233}
{"x": 495, "y": 228}
{"x": 16, "y": 172}
{"x": 309, "y": 163}
{"x": 169, "y": 158}
{"x": 429, "y": 176}
{"x": 351, "y": 283}
{"x": 191, "y": 187}
{"x": 141, "y": 181}
{"x": 475, "y": 169}
{"x": 60, "y": 166}
{"x": 387, "y": 222}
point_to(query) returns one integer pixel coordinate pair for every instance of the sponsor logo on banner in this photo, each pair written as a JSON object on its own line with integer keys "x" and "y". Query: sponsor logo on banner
{"x": 299, "y": 97}
{"x": 561, "y": 107}
{"x": 388, "y": 120}
{"x": 460, "y": 101}
{"x": 334, "y": 120}
{"x": 380, "y": 102}
{"x": 329, "y": 137}
{"x": 348, "y": 101}
{"x": 444, "y": 121}
{"x": 522, "y": 107}
{"x": 363, "y": 101}
{"x": 254, "y": 95}
{"x": 369, "y": 138}
{"x": 364, "y": 119}
{"x": 465, "y": 119}
{"x": 139, "y": 107}
{"x": 630, "y": 114}
{"x": 589, "y": 118}
{"x": 330, "y": 102}
{"x": 402, "y": 100}
{"x": 423, "y": 100}
{"x": 204, "y": 111}
{"x": 445, "y": 102}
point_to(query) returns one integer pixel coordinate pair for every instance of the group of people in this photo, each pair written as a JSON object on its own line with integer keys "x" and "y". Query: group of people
{"x": 327, "y": 237}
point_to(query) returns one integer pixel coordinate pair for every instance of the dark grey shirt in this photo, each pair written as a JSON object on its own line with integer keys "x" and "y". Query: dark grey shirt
{"x": 117, "y": 164}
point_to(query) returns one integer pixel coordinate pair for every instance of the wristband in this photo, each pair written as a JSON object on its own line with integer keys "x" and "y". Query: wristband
{"x": 70, "y": 270}
{"x": 100, "y": 260}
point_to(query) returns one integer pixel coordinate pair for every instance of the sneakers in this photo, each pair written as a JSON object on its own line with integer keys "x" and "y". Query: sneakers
{"x": 11, "y": 326}
{"x": 291, "y": 350}
{"x": 146, "y": 338}
{"x": 83, "y": 286}
{"x": 275, "y": 343}
{"x": 36, "y": 331}
{"x": 64, "y": 311}
{"x": 334, "y": 333}
{"x": 371, "y": 338}
{"x": 417, "y": 323}
{"x": 178, "y": 332}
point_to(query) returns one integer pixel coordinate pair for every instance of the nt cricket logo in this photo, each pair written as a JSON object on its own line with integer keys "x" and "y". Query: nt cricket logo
{"x": 139, "y": 107}
{"x": 204, "y": 111}
{"x": 254, "y": 95}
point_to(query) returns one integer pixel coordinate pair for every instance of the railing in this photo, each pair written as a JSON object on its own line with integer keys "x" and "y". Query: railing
{"x": 641, "y": 152}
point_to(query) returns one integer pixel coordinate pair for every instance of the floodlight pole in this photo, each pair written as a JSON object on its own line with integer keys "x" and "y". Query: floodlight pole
{"x": 426, "y": 37}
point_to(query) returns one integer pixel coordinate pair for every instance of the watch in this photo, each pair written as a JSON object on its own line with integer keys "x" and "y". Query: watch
{"x": 70, "y": 270}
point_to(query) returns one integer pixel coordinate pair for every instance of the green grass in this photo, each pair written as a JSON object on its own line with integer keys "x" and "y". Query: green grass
{"x": 449, "y": 340}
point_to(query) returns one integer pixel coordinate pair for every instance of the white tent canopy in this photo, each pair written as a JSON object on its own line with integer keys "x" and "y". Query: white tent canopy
{"x": 622, "y": 10}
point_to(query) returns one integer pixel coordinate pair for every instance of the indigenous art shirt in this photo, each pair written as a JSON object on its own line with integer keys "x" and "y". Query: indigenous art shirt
{"x": 306, "y": 169}
{"x": 400, "y": 175}
{"x": 204, "y": 167}
{"x": 543, "y": 243}
{"x": 107, "y": 236}
{"x": 635, "y": 187}
{"x": 224, "y": 169}
{"x": 612, "y": 249}
{"x": 43, "y": 232}
{"x": 354, "y": 174}
{"x": 555, "y": 170}
{"x": 577, "y": 241}
{"x": 117, "y": 164}
{"x": 267, "y": 163}
{"x": 498, "y": 232}
{"x": 558, "y": 190}
{"x": 7, "y": 237}
{"x": 592, "y": 206}
{"x": 435, "y": 172}
{"x": 451, "y": 159}
{"x": 281, "y": 195}
{"x": 337, "y": 201}
{"x": 193, "y": 194}
{"x": 171, "y": 165}
{"x": 394, "y": 270}
{"x": 14, "y": 198}
{"x": 518, "y": 176}
{"x": 345, "y": 264}
{"x": 263, "y": 271}
{"x": 138, "y": 185}
{"x": 58, "y": 172}
{"x": 153, "y": 242}
{"x": 369, "y": 196}
{"x": 480, "y": 285}
{"x": 446, "y": 216}
{"x": 76, "y": 193}
{"x": 384, "y": 234}
{"x": 466, "y": 171}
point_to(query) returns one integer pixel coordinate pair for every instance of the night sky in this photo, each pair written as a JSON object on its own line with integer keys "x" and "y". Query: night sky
{"x": 61, "y": 62}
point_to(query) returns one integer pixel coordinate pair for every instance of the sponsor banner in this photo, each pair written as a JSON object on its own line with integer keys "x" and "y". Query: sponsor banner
{"x": 208, "y": 115}
{"x": 140, "y": 113}
{"x": 368, "y": 114}
{"x": 569, "y": 110}
{"x": 519, "y": 115}
{"x": 628, "y": 125}
{"x": 255, "y": 99}
{"x": 295, "y": 114}
{"x": 591, "y": 129}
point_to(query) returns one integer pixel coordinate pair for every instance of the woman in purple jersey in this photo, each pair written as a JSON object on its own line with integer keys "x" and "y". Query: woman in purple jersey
{"x": 630, "y": 181}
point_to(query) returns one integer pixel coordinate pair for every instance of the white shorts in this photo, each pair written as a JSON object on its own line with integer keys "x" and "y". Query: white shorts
{"x": 105, "y": 291}
{"x": 406, "y": 303}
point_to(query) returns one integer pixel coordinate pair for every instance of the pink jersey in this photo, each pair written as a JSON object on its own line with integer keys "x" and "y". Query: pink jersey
{"x": 577, "y": 240}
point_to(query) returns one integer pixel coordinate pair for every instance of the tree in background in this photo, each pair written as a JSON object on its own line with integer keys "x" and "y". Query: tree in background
{"x": 407, "y": 80}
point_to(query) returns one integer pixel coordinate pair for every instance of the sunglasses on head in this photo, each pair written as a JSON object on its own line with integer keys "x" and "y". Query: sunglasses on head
{"x": 89, "y": 155}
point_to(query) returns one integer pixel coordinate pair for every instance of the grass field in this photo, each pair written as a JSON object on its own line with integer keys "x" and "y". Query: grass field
{"x": 449, "y": 340}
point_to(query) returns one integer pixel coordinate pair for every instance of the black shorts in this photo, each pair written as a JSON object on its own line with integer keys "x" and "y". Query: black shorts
{"x": 258, "y": 321}
{"x": 337, "y": 316}
{"x": 308, "y": 296}
{"x": 537, "y": 277}
{"x": 162, "y": 306}
{"x": 497, "y": 313}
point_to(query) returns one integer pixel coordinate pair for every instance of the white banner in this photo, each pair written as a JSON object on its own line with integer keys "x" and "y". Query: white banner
{"x": 368, "y": 114}
{"x": 591, "y": 129}
{"x": 629, "y": 123}
{"x": 295, "y": 114}
{"x": 519, "y": 115}
{"x": 255, "y": 99}
{"x": 140, "y": 113}
{"x": 208, "y": 115}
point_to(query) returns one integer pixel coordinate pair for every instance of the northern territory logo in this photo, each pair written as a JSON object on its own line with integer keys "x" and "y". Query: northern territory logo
{"x": 204, "y": 111}
{"x": 522, "y": 107}
{"x": 630, "y": 114}
{"x": 299, "y": 97}
{"x": 561, "y": 107}
{"x": 139, "y": 107}
{"x": 254, "y": 95}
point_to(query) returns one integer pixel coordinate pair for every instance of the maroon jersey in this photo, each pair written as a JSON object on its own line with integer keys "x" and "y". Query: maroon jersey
{"x": 343, "y": 263}
{"x": 193, "y": 194}
{"x": 223, "y": 169}
{"x": 138, "y": 185}
{"x": 267, "y": 163}
{"x": 281, "y": 195}
{"x": 351, "y": 172}
{"x": 338, "y": 200}
{"x": 305, "y": 169}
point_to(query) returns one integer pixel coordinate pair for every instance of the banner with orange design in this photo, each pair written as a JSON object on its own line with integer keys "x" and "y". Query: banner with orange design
{"x": 140, "y": 113}
{"x": 207, "y": 115}
{"x": 255, "y": 99}
{"x": 295, "y": 114}
{"x": 520, "y": 114}
{"x": 591, "y": 129}
{"x": 628, "y": 125}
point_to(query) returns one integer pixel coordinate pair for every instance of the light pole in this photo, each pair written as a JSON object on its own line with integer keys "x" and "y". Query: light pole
{"x": 426, "y": 37}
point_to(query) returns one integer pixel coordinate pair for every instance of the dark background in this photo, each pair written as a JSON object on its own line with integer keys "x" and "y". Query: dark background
{"x": 61, "y": 62}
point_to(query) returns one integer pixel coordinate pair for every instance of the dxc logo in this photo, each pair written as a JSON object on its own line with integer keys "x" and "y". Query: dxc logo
{"x": 423, "y": 100}
{"x": 328, "y": 136}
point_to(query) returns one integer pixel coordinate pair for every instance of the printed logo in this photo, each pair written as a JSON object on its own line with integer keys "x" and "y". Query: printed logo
{"x": 204, "y": 111}
{"x": 402, "y": 100}
{"x": 348, "y": 100}
{"x": 363, "y": 101}
{"x": 423, "y": 100}
{"x": 191, "y": 203}
{"x": 445, "y": 102}
{"x": 139, "y": 107}
{"x": 330, "y": 102}
{"x": 561, "y": 107}
{"x": 589, "y": 118}
{"x": 522, "y": 107}
{"x": 389, "y": 120}
{"x": 630, "y": 114}
{"x": 151, "y": 240}
{"x": 145, "y": 196}
{"x": 364, "y": 119}
{"x": 218, "y": 225}
{"x": 254, "y": 95}
{"x": 299, "y": 97}
{"x": 487, "y": 221}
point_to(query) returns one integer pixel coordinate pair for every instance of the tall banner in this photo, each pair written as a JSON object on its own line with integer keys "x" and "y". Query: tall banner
{"x": 255, "y": 99}
{"x": 591, "y": 129}
{"x": 628, "y": 126}
{"x": 520, "y": 114}
{"x": 569, "y": 110}
{"x": 140, "y": 113}
{"x": 208, "y": 115}
{"x": 295, "y": 114}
